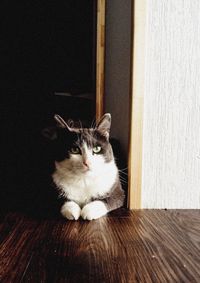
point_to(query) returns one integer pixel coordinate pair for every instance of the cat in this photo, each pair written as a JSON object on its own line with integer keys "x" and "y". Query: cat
{"x": 85, "y": 173}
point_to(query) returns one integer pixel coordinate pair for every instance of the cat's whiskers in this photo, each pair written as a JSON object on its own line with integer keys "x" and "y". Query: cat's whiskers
{"x": 123, "y": 169}
{"x": 93, "y": 124}
{"x": 123, "y": 181}
{"x": 123, "y": 172}
{"x": 80, "y": 124}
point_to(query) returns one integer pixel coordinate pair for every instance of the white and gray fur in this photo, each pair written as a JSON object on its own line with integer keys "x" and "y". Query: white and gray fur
{"x": 88, "y": 182}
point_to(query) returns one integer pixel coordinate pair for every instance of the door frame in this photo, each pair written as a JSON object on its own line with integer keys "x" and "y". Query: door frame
{"x": 136, "y": 105}
{"x": 137, "y": 77}
{"x": 100, "y": 58}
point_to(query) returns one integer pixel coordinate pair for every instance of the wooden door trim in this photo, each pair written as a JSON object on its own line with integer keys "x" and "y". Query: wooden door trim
{"x": 136, "y": 104}
{"x": 100, "y": 58}
{"x": 136, "y": 96}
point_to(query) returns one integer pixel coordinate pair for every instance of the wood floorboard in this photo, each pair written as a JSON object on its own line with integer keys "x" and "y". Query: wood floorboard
{"x": 125, "y": 246}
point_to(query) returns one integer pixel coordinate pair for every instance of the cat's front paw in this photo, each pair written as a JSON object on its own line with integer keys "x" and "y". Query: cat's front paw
{"x": 93, "y": 210}
{"x": 71, "y": 210}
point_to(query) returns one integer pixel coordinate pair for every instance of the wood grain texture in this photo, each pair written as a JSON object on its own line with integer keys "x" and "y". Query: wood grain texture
{"x": 155, "y": 246}
{"x": 171, "y": 140}
{"x": 100, "y": 58}
{"x": 137, "y": 96}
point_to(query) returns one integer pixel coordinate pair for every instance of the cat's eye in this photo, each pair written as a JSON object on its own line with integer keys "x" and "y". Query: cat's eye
{"x": 96, "y": 149}
{"x": 75, "y": 150}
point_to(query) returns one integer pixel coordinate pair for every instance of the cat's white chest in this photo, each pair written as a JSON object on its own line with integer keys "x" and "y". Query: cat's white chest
{"x": 81, "y": 188}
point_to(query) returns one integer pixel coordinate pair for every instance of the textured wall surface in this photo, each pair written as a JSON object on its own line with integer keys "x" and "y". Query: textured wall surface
{"x": 171, "y": 133}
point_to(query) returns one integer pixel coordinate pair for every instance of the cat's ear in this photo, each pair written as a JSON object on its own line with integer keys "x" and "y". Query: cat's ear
{"x": 104, "y": 125}
{"x": 61, "y": 122}
{"x": 65, "y": 125}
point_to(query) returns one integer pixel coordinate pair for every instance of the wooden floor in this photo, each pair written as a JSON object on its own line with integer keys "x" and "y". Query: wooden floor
{"x": 137, "y": 246}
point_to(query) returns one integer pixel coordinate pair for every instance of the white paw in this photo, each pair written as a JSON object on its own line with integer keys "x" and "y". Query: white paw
{"x": 71, "y": 210}
{"x": 93, "y": 210}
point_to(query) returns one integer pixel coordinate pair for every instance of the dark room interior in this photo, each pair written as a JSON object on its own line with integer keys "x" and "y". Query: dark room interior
{"x": 48, "y": 65}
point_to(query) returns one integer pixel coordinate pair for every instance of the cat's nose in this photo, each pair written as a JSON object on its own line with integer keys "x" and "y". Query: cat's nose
{"x": 86, "y": 163}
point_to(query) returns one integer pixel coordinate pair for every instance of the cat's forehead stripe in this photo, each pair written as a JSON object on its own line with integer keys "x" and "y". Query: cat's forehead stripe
{"x": 85, "y": 148}
{"x": 86, "y": 136}
{"x": 91, "y": 137}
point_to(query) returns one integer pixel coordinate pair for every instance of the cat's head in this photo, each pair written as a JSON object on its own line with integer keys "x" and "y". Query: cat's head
{"x": 83, "y": 150}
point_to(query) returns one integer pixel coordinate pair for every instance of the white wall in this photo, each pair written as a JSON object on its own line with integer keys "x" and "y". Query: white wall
{"x": 171, "y": 133}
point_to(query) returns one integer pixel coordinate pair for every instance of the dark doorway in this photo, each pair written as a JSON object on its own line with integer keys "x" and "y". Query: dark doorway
{"x": 48, "y": 62}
